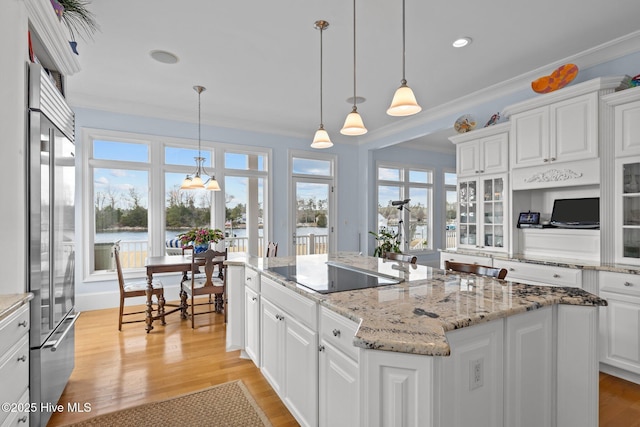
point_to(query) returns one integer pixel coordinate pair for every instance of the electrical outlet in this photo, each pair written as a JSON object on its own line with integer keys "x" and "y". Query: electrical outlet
{"x": 476, "y": 373}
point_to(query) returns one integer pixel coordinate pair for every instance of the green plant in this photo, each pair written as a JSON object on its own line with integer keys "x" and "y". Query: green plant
{"x": 200, "y": 236}
{"x": 78, "y": 18}
{"x": 387, "y": 242}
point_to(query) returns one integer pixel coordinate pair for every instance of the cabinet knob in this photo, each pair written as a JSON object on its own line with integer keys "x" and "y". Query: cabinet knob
{"x": 628, "y": 284}
{"x": 279, "y": 317}
{"x": 253, "y": 298}
{"x": 555, "y": 276}
{"x": 22, "y": 358}
{"x": 336, "y": 332}
{"x": 23, "y": 323}
{"x": 512, "y": 269}
{"x": 481, "y": 171}
{"x": 477, "y": 171}
{"x": 553, "y": 159}
{"x": 248, "y": 278}
{"x": 320, "y": 348}
{"x": 545, "y": 160}
{"x": 23, "y": 419}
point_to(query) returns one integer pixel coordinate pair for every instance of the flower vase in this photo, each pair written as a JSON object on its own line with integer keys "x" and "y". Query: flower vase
{"x": 200, "y": 248}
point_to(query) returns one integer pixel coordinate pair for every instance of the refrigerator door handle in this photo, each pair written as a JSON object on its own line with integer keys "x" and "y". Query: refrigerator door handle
{"x": 53, "y": 344}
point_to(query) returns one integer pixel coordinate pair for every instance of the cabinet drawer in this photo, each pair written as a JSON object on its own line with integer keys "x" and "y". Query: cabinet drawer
{"x": 338, "y": 331}
{"x": 13, "y": 327}
{"x": 628, "y": 284}
{"x": 19, "y": 419}
{"x": 252, "y": 279}
{"x": 14, "y": 370}
{"x": 302, "y": 309}
{"x": 538, "y": 274}
{"x": 467, "y": 259}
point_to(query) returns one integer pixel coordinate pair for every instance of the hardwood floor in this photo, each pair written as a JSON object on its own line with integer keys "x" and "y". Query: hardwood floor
{"x": 116, "y": 370}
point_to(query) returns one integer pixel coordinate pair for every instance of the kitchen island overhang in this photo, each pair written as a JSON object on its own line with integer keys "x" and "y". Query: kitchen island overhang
{"x": 510, "y": 338}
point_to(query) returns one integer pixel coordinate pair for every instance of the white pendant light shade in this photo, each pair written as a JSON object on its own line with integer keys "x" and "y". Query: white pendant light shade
{"x": 353, "y": 124}
{"x": 196, "y": 182}
{"x": 404, "y": 102}
{"x": 186, "y": 184}
{"x": 213, "y": 185}
{"x": 321, "y": 139}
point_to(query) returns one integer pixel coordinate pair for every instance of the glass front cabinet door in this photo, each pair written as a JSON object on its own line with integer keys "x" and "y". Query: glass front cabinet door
{"x": 628, "y": 210}
{"x": 481, "y": 206}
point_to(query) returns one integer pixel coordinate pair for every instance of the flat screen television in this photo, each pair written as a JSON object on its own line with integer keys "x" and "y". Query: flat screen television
{"x": 576, "y": 213}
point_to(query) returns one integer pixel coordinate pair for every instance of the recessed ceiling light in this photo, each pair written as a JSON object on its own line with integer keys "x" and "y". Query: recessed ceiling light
{"x": 164, "y": 56}
{"x": 359, "y": 100}
{"x": 462, "y": 42}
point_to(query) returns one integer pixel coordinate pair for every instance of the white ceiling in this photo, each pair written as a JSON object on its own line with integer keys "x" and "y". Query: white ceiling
{"x": 259, "y": 60}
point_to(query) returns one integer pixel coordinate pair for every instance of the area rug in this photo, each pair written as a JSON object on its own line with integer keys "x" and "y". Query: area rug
{"x": 229, "y": 404}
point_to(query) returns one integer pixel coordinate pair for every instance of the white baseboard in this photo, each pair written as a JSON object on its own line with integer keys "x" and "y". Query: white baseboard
{"x": 620, "y": 373}
{"x": 111, "y": 299}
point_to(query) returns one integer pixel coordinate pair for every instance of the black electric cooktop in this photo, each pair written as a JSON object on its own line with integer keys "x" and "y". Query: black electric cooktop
{"x": 327, "y": 278}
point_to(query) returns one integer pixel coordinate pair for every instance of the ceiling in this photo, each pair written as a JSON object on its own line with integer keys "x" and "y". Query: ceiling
{"x": 259, "y": 60}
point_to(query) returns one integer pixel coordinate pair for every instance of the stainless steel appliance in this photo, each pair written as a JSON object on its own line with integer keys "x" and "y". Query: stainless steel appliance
{"x": 51, "y": 252}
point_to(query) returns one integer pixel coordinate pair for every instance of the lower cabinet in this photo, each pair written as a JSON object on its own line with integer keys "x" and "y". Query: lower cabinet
{"x": 339, "y": 384}
{"x": 290, "y": 360}
{"x": 252, "y": 325}
{"x": 14, "y": 367}
{"x": 620, "y": 322}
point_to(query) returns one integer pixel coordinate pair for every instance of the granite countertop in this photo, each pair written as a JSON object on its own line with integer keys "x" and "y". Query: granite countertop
{"x": 554, "y": 262}
{"x": 10, "y": 302}
{"x": 414, "y": 315}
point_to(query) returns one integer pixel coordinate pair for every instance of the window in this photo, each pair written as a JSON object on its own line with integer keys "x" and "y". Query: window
{"x": 313, "y": 207}
{"x": 451, "y": 209}
{"x": 134, "y": 185}
{"x": 405, "y": 205}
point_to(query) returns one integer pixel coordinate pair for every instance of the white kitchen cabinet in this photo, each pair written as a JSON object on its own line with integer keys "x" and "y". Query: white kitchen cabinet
{"x": 252, "y": 325}
{"x": 620, "y": 321}
{"x": 562, "y": 131}
{"x": 483, "y": 151}
{"x": 529, "y": 385}
{"x": 339, "y": 398}
{"x": 482, "y": 209}
{"x": 464, "y": 258}
{"x": 290, "y": 349}
{"x": 540, "y": 274}
{"x": 626, "y": 105}
{"x": 627, "y": 221}
{"x": 14, "y": 363}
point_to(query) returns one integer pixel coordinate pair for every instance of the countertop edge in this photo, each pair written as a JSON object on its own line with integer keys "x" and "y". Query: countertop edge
{"x": 11, "y": 302}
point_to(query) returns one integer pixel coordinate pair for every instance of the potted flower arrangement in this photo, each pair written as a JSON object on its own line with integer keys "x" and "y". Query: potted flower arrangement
{"x": 200, "y": 238}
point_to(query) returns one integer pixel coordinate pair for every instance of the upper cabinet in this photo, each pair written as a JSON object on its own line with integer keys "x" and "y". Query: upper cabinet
{"x": 562, "y": 131}
{"x": 482, "y": 151}
{"x": 626, "y": 106}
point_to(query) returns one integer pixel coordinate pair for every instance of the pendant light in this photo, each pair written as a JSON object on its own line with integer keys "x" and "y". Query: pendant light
{"x": 353, "y": 124}
{"x": 196, "y": 182}
{"x": 321, "y": 138}
{"x": 404, "y": 101}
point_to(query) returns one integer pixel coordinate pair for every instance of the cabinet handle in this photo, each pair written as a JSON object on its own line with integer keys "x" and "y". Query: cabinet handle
{"x": 545, "y": 160}
{"x": 320, "y": 348}
{"x": 22, "y": 358}
{"x": 253, "y": 298}
{"x": 555, "y": 276}
{"x": 23, "y": 323}
{"x": 23, "y": 419}
{"x": 336, "y": 332}
{"x": 481, "y": 171}
{"x": 628, "y": 284}
{"x": 279, "y": 317}
{"x": 249, "y": 279}
{"x": 477, "y": 171}
{"x": 553, "y": 159}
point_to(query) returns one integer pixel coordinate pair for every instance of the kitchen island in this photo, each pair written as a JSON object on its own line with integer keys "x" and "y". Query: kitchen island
{"x": 436, "y": 349}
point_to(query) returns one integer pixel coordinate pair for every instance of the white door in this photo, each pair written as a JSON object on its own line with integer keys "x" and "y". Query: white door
{"x": 339, "y": 394}
{"x": 312, "y": 226}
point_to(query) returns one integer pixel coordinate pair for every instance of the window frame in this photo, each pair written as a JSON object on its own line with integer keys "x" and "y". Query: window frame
{"x": 404, "y": 185}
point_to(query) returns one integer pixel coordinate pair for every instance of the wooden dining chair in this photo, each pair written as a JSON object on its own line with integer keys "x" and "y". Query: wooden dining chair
{"x": 477, "y": 269}
{"x": 272, "y": 249}
{"x": 136, "y": 289}
{"x": 206, "y": 284}
{"x": 401, "y": 257}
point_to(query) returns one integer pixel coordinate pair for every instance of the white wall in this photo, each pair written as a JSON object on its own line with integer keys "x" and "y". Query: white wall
{"x": 13, "y": 50}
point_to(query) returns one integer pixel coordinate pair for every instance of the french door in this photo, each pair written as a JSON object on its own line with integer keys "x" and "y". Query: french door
{"x": 312, "y": 224}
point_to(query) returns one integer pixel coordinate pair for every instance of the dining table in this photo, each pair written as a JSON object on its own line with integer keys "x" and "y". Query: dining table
{"x": 167, "y": 264}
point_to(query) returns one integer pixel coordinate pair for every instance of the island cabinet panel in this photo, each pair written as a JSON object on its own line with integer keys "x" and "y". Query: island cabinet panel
{"x": 235, "y": 308}
{"x": 398, "y": 390}
{"x": 252, "y": 325}
{"x": 472, "y": 377}
{"x": 529, "y": 387}
{"x": 272, "y": 342}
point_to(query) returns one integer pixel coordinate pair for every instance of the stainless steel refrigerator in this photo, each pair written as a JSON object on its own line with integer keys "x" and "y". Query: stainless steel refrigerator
{"x": 51, "y": 250}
